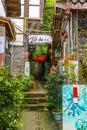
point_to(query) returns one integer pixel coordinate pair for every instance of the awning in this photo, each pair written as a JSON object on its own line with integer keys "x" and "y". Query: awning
{"x": 9, "y": 27}
{"x": 70, "y": 5}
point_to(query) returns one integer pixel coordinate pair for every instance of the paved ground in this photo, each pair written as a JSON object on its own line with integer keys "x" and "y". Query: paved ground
{"x": 34, "y": 120}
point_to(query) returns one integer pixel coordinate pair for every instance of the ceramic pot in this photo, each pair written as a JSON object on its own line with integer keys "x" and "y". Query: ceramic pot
{"x": 57, "y": 115}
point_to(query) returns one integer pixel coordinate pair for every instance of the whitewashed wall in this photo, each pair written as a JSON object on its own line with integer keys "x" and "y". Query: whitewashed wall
{"x": 18, "y": 25}
{"x": 2, "y": 10}
{"x": 19, "y": 40}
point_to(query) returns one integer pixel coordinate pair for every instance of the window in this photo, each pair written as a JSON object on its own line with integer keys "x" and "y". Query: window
{"x": 34, "y": 8}
{"x": 34, "y": 2}
{"x": 34, "y": 11}
{"x": 22, "y": 1}
{"x": 22, "y": 11}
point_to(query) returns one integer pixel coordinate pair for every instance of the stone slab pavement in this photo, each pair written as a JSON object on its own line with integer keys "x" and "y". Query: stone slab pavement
{"x": 36, "y": 120}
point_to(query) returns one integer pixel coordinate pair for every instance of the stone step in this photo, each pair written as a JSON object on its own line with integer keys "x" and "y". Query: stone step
{"x": 35, "y": 100}
{"x": 34, "y": 94}
{"x": 35, "y": 106}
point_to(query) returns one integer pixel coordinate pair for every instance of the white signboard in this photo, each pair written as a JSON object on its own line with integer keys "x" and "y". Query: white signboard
{"x": 2, "y": 44}
{"x": 39, "y": 39}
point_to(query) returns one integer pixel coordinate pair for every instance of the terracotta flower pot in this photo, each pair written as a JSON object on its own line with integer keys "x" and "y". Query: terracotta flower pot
{"x": 39, "y": 58}
{"x": 35, "y": 58}
{"x": 71, "y": 57}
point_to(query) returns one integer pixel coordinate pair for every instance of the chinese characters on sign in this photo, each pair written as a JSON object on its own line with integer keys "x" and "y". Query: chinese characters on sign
{"x": 74, "y": 101}
{"x": 39, "y": 39}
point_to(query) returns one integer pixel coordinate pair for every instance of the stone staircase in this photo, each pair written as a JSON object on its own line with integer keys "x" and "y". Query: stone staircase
{"x": 37, "y": 99}
{"x": 35, "y": 112}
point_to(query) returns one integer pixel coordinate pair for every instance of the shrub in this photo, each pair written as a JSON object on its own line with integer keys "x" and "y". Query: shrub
{"x": 54, "y": 83}
{"x": 11, "y": 98}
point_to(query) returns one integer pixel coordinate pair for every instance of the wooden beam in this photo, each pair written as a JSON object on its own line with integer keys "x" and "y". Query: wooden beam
{"x": 12, "y": 4}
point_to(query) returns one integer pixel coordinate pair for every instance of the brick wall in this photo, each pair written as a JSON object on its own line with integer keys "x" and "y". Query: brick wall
{"x": 18, "y": 60}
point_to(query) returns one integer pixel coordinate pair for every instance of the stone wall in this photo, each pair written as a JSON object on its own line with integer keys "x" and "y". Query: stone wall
{"x": 18, "y": 60}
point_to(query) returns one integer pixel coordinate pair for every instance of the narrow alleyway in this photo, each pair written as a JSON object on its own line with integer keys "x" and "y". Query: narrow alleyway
{"x": 39, "y": 119}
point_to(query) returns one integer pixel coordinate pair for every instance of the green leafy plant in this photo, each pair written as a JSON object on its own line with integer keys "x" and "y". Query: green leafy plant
{"x": 26, "y": 81}
{"x": 11, "y": 99}
{"x": 83, "y": 66}
{"x": 40, "y": 50}
{"x": 54, "y": 83}
{"x": 74, "y": 47}
{"x": 70, "y": 70}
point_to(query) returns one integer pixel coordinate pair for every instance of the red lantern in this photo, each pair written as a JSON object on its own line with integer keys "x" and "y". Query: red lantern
{"x": 74, "y": 11}
{"x": 62, "y": 33}
{"x": 66, "y": 35}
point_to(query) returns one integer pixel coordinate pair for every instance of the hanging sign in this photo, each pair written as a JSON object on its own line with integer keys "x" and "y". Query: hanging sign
{"x": 39, "y": 39}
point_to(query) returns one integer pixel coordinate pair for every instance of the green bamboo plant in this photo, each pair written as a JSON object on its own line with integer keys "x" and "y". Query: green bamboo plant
{"x": 48, "y": 15}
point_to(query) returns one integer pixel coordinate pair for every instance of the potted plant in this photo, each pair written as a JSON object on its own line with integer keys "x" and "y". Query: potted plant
{"x": 41, "y": 49}
{"x": 54, "y": 83}
{"x": 71, "y": 71}
{"x": 75, "y": 48}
